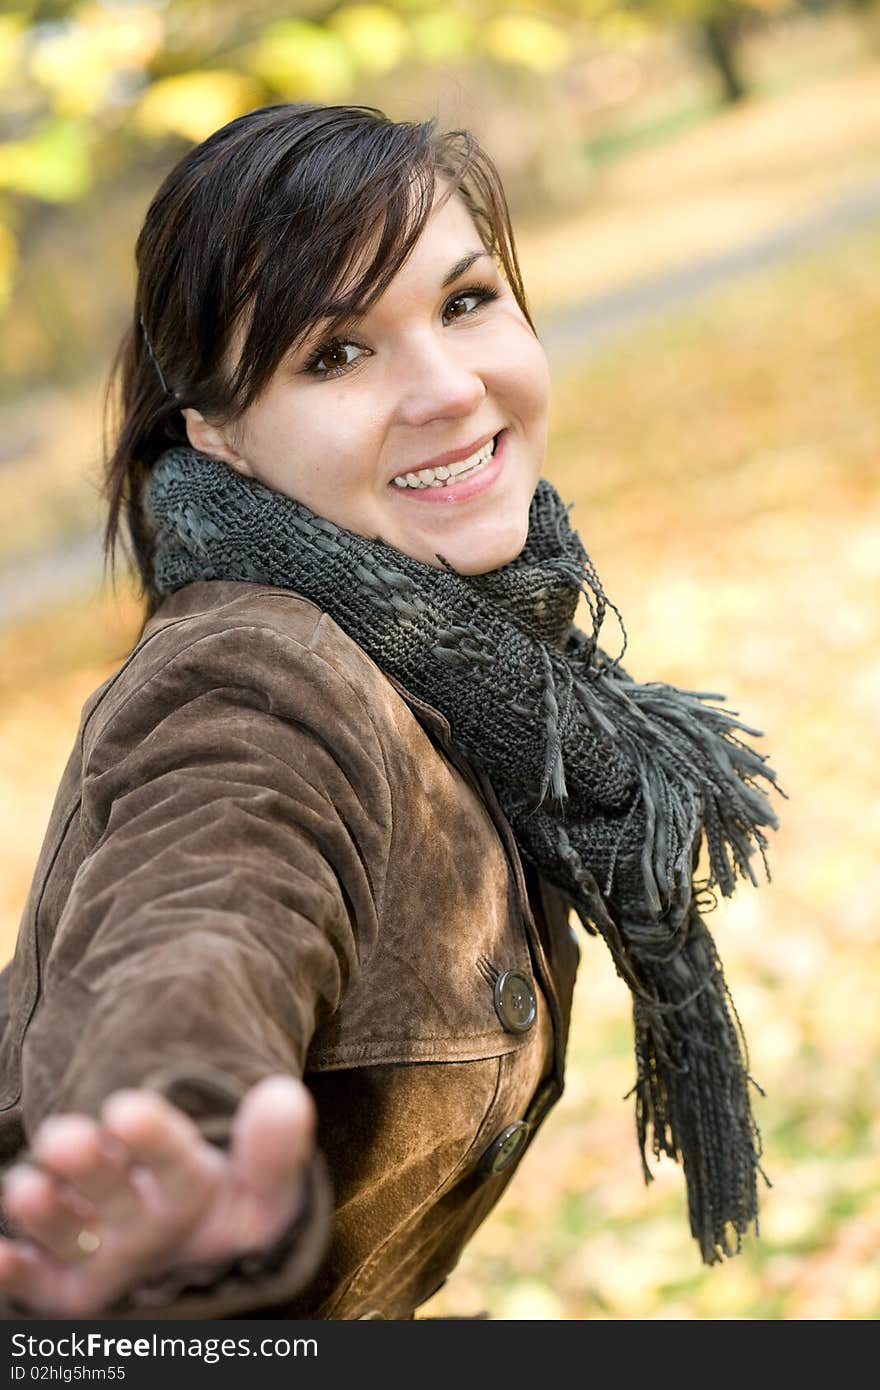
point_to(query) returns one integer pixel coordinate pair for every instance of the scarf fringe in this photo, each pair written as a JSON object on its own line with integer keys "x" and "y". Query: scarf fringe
{"x": 697, "y": 781}
{"x": 691, "y": 1091}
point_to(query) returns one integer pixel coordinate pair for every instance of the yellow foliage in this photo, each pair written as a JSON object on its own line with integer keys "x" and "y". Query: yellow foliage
{"x": 527, "y": 40}
{"x": 194, "y": 104}
{"x": 622, "y": 29}
{"x": 302, "y": 61}
{"x": 8, "y": 263}
{"x": 374, "y": 35}
{"x": 67, "y": 64}
{"x": 11, "y": 28}
{"x": 443, "y": 35}
{"x": 53, "y": 163}
{"x": 127, "y": 37}
{"x": 76, "y": 62}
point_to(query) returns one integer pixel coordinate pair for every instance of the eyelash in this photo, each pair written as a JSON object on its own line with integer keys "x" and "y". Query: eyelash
{"x": 484, "y": 293}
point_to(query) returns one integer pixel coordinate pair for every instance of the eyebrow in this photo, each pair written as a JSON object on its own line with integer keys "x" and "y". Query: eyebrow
{"x": 461, "y": 266}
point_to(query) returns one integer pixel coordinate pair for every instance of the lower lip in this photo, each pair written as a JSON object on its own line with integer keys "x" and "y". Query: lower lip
{"x": 466, "y": 489}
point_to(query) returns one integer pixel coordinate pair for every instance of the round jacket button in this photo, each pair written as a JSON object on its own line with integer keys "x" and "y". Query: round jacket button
{"x": 515, "y": 1002}
{"x": 503, "y": 1150}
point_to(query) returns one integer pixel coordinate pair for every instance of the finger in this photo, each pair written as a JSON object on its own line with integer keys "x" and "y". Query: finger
{"x": 12, "y": 1265}
{"x": 33, "y": 1279}
{"x": 74, "y": 1148}
{"x": 43, "y": 1211}
{"x": 17, "y": 1272}
{"x": 164, "y": 1141}
{"x": 273, "y": 1134}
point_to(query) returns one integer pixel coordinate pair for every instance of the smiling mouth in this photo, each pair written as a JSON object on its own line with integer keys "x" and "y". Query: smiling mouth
{"x": 450, "y": 474}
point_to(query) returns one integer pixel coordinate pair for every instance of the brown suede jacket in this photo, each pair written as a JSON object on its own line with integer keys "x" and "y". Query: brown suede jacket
{"x": 265, "y": 855}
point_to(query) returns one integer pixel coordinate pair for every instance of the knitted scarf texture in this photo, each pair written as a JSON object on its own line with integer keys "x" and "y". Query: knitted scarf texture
{"x": 612, "y": 787}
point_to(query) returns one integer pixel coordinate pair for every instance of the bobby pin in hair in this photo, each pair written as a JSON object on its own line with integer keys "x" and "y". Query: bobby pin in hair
{"x": 154, "y": 358}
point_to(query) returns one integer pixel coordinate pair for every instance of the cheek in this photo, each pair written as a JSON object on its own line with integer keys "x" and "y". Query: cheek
{"x": 524, "y": 377}
{"x": 310, "y": 438}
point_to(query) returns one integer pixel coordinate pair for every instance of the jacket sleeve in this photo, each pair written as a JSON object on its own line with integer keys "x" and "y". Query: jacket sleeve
{"x": 235, "y": 822}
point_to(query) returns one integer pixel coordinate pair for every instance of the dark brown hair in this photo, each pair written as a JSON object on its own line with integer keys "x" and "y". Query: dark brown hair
{"x": 257, "y": 230}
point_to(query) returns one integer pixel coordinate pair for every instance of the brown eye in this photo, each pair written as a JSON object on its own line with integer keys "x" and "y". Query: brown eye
{"x": 468, "y": 302}
{"x": 456, "y": 308}
{"x": 336, "y": 357}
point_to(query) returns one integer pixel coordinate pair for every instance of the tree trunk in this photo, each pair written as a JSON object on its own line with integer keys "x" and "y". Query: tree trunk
{"x": 719, "y": 35}
{"x": 867, "y": 12}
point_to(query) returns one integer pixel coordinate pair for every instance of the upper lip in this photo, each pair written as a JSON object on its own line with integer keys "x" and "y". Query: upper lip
{"x": 451, "y": 456}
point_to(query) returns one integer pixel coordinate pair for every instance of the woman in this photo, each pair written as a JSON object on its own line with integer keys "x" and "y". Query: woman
{"x": 293, "y": 982}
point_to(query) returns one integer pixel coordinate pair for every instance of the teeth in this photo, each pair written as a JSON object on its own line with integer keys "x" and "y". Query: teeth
{"x": 443, "y": 476}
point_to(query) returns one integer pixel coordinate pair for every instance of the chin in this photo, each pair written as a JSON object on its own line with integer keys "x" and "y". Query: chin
{"x": 479, "y": 555}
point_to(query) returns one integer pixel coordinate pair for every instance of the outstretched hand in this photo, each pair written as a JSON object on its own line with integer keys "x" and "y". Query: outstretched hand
{"x": 107, "y": 1204}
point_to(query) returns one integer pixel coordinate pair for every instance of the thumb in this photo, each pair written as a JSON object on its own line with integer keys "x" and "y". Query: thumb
{"x": 273, "y": 1134}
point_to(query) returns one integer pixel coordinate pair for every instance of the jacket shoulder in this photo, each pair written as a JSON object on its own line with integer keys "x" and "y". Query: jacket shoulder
{"x": 212, "y": 605}
{"x": 271, "y": 646}
{"x": 230, "y": 610}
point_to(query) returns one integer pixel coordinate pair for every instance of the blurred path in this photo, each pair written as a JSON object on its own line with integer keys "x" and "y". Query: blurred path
{"x": 584, "y": 330}
{"x": 590, "y": 325}
{"x": 41, "y": 579}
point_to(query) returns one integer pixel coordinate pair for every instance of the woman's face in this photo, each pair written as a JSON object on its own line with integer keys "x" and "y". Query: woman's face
{"x": 440, "y": 371}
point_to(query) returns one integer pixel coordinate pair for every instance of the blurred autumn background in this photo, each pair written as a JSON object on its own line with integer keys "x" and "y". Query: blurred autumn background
{"x": 696, "y": 189}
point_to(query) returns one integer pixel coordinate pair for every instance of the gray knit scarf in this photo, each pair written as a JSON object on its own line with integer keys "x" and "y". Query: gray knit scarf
{"x": 611, "y": 787}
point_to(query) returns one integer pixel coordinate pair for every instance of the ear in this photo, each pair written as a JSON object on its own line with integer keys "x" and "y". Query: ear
{"x": 211, "y": 440}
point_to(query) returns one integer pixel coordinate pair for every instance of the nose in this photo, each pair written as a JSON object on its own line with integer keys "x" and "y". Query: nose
{"x": 437, "y": 381}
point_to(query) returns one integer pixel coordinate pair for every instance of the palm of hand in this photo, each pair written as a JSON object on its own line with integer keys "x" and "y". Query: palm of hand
{"x": 152, "y": 1192}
